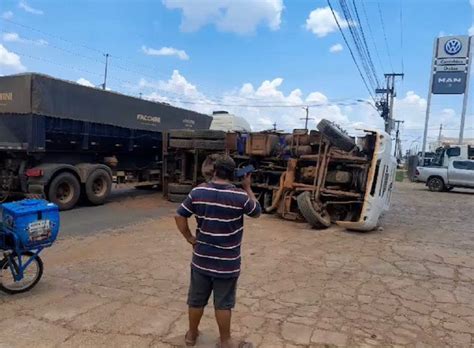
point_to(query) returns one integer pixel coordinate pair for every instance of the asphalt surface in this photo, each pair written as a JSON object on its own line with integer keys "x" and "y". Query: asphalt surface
{"x": 124, "y": 208}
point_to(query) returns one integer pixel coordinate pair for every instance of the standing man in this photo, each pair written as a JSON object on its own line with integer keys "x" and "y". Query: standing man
{"x": 219, "y": 208}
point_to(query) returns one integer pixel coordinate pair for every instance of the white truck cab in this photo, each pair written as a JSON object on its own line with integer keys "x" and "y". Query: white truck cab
{"x": 380, "y": 181}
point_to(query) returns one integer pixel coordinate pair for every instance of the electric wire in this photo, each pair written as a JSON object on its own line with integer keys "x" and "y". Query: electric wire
{"x": 350, "y": 51}
{"x": 372, "y": 35}
{"x": 357, "y": 43}
{"x": 366, "y": 46}
{"x": 401, "y": 36}
{"x": 385, "y": 36}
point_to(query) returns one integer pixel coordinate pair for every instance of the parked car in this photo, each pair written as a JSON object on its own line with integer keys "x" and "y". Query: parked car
{"x": 458, "y": 173}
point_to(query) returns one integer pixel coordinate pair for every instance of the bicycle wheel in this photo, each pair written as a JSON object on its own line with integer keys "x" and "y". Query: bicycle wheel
{"x": 31, "y": 275}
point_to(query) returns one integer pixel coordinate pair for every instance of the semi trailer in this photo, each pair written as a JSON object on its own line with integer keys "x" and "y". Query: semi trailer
{"x": 64, "y": 141}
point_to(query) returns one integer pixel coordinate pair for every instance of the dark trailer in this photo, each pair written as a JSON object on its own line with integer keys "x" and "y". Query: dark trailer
{"x": 62, "y": 139}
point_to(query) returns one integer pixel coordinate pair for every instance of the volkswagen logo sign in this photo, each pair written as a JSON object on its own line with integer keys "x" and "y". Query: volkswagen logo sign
{"x": 452, "y": 47}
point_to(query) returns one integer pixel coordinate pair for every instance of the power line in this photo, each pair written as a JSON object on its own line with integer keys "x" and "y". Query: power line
{"x": 357, "y": 32}
{"x": 350, "y": 50}
{"x": 357, "y": 43}
{"x": 385, "y": 36}
{"x": 372, "y": 35}
{"x": 401, "y": 35}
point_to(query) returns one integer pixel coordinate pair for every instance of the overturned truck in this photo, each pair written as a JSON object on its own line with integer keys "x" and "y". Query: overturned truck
{"x": 320, "y": 176}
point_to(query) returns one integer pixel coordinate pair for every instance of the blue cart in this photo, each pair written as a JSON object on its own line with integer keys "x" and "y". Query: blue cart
{"x": 26, "y": 228}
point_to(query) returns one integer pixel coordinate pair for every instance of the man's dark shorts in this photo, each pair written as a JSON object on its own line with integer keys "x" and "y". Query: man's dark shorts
{"x": 202, "y": 285}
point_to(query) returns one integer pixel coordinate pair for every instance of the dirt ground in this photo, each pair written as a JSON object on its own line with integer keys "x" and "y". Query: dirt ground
{"x": 411, "y": 284}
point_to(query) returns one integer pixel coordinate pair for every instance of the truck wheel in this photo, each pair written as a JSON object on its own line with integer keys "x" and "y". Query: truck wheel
{"x": 179, "y": 188}
{"x": 177, "y": 197}
{"x": 336, "y": 136}
{"x": 435, "y": 184}
{"x": 64, "y": 191}
{"x": 98, "y": 186}
{"x": 314, "y": 218}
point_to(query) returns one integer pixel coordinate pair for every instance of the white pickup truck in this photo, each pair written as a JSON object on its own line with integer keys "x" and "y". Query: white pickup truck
{"x": 458, "y": 173}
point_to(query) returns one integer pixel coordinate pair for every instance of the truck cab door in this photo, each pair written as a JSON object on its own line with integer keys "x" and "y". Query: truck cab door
{"x": 459, "y": 173}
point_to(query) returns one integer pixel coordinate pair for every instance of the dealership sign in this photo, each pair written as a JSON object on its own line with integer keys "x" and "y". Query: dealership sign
{"x": 450, "y": 65}
{"x": 449, "y": 83}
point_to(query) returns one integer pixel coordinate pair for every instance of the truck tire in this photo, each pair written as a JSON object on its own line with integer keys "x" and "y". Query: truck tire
{"x": 336, "y": 136}
{"x": 435, "y": 184}
{"x": 98, "y": 186}
{"x": 199, "y": 133}
{"x": 306, "y": 208}
{"x": 181, "y": 143}
{"x": 177, "y": 197}
{"x": 179, "y": 188}
{"x": 64, "y": 191}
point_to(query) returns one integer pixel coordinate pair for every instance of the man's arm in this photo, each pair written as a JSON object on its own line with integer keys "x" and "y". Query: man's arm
{"x": 252, "y": 208}
{"x": 185, "y": 211}
{"x": 183, "y": 227}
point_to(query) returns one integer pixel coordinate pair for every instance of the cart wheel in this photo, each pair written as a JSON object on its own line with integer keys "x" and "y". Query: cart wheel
{"x": 3, "y": 197}
{"x": 31, "y": 275}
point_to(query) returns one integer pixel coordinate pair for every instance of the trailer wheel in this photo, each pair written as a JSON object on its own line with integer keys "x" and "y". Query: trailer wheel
{"x": 336, "y": 136}
{"x": 177, "y": 197}
{"x": 98, "y": 186}
{"x": 64, "y": 191}
{"x": 317, "y": 220}
{"x": 179, "y": 188}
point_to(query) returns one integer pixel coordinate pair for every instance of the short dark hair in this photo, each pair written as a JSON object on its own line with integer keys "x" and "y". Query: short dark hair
{"x": 224, "y": 168}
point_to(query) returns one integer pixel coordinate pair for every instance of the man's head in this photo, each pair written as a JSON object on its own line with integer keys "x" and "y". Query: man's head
{"x": 224, "y": 168}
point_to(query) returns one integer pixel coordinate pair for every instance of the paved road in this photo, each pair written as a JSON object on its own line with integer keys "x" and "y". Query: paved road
{"x": 408, "y": 285}
{"x": 124, "y": 208}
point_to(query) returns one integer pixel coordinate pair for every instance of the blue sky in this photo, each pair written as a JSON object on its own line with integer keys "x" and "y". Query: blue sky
{"x": 248, "y": 52}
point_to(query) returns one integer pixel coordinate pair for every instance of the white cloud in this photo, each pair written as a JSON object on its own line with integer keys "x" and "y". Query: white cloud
{"x": 165, "y": 51}
{"x": 14, "y": 37}
{"x": 84, "y": 82}
{"x": 470, "y": 31}
{"x": 9, "y": 61}
{"x": 321, "y": 21}
{"x": 237, "y": 16}
{"x": 7, "y": 15}
{"x": 261, "y": 105}
{"x": 10, "y": 37}
{"x": 336, "y": 48}
{"x": 24, "y": 6}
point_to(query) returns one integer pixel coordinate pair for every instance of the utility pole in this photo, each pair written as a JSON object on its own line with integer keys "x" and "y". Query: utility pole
{"x": 386, "y": 104}
{"x": 307, "y": 118}
{"x": 105, "y": 74}
{"x": 397, "y": 152}
{"x": 440, "y": 134}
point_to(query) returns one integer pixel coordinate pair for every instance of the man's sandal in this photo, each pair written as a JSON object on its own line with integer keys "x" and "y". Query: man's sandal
{"x": 190, "y": 342}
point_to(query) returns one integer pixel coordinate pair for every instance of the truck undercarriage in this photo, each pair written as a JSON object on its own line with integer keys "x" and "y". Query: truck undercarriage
{"x": 321, "y": 177}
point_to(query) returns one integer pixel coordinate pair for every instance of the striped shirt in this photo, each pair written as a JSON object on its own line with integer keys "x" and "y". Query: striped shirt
{"x": 219, "y": 210}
